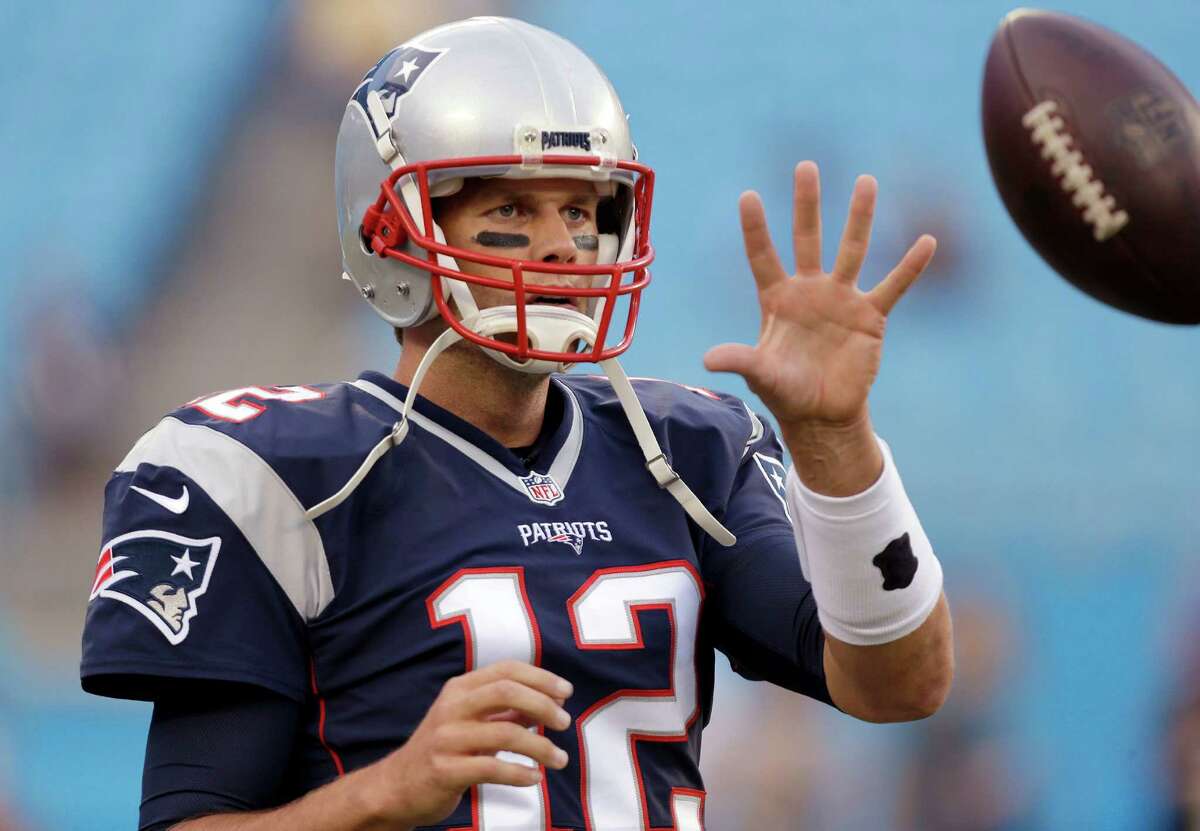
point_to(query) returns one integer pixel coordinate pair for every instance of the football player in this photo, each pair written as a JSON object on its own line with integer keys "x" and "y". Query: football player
{"x": 483, "y": 593}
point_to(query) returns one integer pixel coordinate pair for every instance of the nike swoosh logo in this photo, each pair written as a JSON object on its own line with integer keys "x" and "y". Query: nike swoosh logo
{"x": 176, "y": 505}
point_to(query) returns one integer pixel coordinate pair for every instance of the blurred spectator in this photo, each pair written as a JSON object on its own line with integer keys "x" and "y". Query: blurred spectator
{"x": 350, "y": 35}
{"x": 963, "y": 774}
{"x": 72, "y": 378}
{"x": 1182, "y": 741}
{"x": 760, "y": 759}
{"x": 9, "y": 821}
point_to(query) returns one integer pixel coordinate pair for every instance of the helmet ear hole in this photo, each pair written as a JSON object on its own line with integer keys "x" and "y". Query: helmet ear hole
{"x": 363, "y": 242}
{"x": 608, "y": 216}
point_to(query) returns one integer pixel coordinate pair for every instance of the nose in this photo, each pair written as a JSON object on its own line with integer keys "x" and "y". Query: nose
{"x": 553, "y": 242}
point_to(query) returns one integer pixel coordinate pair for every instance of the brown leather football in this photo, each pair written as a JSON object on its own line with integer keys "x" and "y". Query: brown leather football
{"x": 1095, "y": 148}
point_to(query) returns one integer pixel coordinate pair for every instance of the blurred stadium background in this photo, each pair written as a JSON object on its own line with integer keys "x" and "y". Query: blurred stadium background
{"x": 167, "y": 228}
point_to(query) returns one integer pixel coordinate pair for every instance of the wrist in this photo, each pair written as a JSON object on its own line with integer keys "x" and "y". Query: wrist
{"x": 834, "y": 459}
{"x": 379, "y": 798}
{"x": 873, "y": 572}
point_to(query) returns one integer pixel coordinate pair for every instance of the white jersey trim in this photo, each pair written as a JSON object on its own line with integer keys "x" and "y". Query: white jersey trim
{"x": 564, "y": 463}
{"x": 756, "y": 429}
{"x": 560, "y": 469}
{"x": 254, "y": 498}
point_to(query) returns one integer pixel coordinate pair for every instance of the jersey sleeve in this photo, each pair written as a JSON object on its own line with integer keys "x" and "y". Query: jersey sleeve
{"x": 222, "y": 748}
{"x": 202, "y": 572}
{"x": 760, "y": 610}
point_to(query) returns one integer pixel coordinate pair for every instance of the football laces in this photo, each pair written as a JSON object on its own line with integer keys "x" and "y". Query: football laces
{"x": 1048, "y": 131}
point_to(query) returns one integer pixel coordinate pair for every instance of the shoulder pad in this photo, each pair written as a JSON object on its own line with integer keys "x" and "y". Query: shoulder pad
{"x": 673, "y": 407}
{"x": 263, "y": 455}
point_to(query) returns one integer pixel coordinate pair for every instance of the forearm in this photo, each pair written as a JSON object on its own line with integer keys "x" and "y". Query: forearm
{"x": 888, "y": 643}
{"x": 455, "y": 747}
{"x": 834, "y": 459}
{"x": 342, "y": 805}
{"x": 906, "y": 679}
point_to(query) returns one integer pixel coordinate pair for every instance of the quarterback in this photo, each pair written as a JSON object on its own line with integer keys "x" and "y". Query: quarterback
{"x": 484, "y": 592}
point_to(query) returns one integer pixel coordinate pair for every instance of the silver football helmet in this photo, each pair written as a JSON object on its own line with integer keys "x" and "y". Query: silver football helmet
{"x": 489, "y": 97}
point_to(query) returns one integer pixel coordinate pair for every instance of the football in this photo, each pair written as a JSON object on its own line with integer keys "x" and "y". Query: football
{"x": 1094, "y": 146}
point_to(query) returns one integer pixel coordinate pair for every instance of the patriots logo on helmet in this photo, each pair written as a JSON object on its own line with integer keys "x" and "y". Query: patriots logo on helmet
{"x": 542, "y": 488}
{"x": 158, "y": 574}
{"x": 396, "y": 73}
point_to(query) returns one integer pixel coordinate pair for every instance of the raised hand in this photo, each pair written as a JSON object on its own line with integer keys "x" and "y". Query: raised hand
{"x": 821, "y": 337}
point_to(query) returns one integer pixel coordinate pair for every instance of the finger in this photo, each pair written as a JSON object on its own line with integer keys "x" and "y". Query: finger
{"x": 473, "y": 738}
{"x": 507, "y": 694}
{"x": 857, "y": 234}
{"x": 806, "y": 218}
{"x": 760, "y": 251}
{"x": 517, "y": 718}
{"x": 465, "y": 771}
{"x": 914, "y": 262}
{"x": 731, "y": 357}
{"x": 525, "y": 673}
{"x": 513, "y": 716}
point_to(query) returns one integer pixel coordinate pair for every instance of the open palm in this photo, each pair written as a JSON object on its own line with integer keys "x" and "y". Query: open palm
{"x": 821, "y": 337}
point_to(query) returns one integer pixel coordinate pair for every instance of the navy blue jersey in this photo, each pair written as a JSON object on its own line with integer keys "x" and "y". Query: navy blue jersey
{"x": 452, "y": 554}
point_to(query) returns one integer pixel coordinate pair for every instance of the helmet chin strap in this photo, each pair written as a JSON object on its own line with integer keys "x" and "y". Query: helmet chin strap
{"x": 557, "y": 327}
{"x": 549, "y": 328}
{"x": 399, "y": 430}
{"x": 656, "y": 460}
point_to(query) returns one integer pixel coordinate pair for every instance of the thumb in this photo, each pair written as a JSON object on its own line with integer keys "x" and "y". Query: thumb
{"x": 731, "y": 357}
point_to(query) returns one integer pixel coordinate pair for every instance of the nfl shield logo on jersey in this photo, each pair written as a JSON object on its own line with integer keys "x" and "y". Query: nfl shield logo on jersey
{"x": 158, "y": 574}
{"x": 542, "y": 488}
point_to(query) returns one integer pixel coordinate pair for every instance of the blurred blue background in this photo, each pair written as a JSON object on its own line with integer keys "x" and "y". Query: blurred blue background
{"x": 168, "y": 228}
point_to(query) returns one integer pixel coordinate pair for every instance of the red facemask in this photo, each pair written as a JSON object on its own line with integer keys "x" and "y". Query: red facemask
{"x": 388, "y": 226}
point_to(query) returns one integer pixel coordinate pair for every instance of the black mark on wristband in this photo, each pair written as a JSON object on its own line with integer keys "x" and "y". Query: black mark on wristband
{"x": 897, "y": 564}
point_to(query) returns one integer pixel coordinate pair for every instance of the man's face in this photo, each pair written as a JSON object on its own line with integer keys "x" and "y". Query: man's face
{"x": 545, "y": 220}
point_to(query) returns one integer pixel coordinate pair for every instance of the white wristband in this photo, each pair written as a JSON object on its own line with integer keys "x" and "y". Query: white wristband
{"x": 874, "y": 574}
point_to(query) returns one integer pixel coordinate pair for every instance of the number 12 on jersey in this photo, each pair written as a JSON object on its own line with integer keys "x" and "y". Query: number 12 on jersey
{"x": 498, "y": 623}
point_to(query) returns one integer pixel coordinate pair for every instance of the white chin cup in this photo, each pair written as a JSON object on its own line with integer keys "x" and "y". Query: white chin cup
{"x": 549, "y": 328}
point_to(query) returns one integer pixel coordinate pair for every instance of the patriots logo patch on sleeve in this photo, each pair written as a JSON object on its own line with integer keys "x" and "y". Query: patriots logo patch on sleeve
{"x": 776, "y": 475}
{"x": 159, "y": 574}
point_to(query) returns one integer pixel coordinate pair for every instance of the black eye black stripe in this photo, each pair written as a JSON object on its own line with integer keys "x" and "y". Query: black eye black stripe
{"x": 497, "y": 239}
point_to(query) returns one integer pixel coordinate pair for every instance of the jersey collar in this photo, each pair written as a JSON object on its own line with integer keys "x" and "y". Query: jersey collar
{"x": 557, "y": 457}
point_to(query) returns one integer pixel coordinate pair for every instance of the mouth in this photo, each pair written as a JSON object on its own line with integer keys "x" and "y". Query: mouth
{"x": 541, "y": 299}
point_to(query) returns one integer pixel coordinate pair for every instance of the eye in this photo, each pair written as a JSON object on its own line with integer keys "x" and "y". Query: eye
{"x": 506, "y": 211}
{"x": 573, "y": 214}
